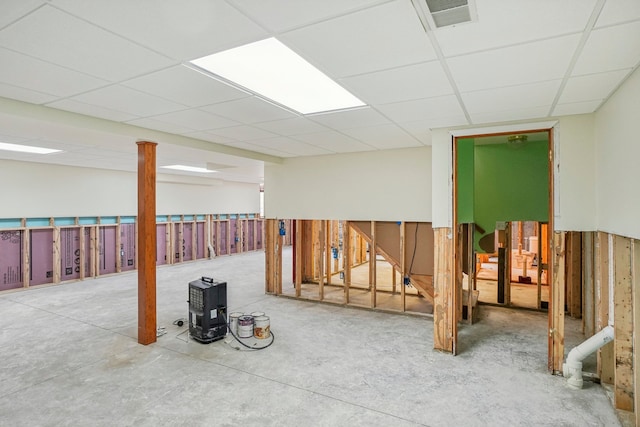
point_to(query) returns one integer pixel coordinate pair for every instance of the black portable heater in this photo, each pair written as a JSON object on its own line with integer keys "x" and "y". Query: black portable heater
{"x": 207, "y": 309}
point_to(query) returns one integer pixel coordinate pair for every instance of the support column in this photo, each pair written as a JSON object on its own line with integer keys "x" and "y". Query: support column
{"x": 147, "y": 328}
{"x": 605, "y": 361}
{"x": 623, "y": 324}
{"x": 556, "y": 304}
{"x": 445, "y": 330}
{"x": 347, "y": 259}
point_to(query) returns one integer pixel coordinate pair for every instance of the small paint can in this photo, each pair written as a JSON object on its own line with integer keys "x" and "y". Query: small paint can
{"x": 261, "y": 327}
{"x": 245, "y": 326}
{"x": 233, "y": 321}
{"x": 257, "y": 314}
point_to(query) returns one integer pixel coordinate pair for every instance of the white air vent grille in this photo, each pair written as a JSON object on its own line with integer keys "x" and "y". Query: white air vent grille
{"x": 450, "y": 12}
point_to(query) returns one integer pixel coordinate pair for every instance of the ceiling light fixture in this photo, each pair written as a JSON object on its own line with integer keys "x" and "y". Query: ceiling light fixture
{"x": 517, "y": 139}
{"x": 188, "y": 168}
{"x": 272, "y": 71}
{"x": 27, "y": 148}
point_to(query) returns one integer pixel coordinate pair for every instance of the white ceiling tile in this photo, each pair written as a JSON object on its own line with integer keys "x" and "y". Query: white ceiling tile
{"x": 185, "y": 86}
{"x": 127, "y": 100}
{"x": 26, "y": 95}
{"x": 91, "y": 110}
{"x": 511, "y": 114}
{"x": 244, "y": 133}
{"x": 149, "y": 123}
{"x": 591, "y": 87}
{"x": 208, "y": 136}
{"x": 528, "y": 63}
{"x": 64, "y": 40}
{"x": 260, "y": 149}
{"x": 505, "y": 98}
{"x": 291, "y": 146}
{"x": 419, "y": 130}
{"x": 295, "y": 126}
{"x": 275, "y": 17}
{"x": 249, "y": 110}
{"x": 383, "y": 137}
{"x": 195, "y": 119}
{"x": 335, "y": 141}
{"x": 10, "y": 10}
{"x": 502, "y": 23}
{"x": 577, "y": 108}
{"x": 350, "y": 118}
{"x": 30, "y": 73}
{"x": 425, "y": 110}
{"x": 617, "y": 11}
{"x": 385, "y": 36}
{"x": 181, "y": 30}
{"x": 610, "y": 48}
{"x": 423, "y": 80}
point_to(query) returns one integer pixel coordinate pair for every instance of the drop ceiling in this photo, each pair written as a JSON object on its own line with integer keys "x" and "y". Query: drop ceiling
{"x": 91, "y": 77}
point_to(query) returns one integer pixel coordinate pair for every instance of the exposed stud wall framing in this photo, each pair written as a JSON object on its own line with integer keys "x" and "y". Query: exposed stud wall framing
{"x": 348, "y": 258}
{"x": 635, "y": 273}
{"x": 557, "y": 304}
{"x": 444, "y": 320}
{"x": 328, "y": 231}
{"x": 270, "y": 256}
{"x": 298, "y": 258}
{"x": 605, "y": 358}
{"x": 588, "y": 303}
{"x": 56, "y": 255}
{"x": 403, "y": 263}
{"x": 573, "y": 278}
{"x": 623, "y": 324}
{"x": 118, "y": 246}
{"x": 372, "y": 265}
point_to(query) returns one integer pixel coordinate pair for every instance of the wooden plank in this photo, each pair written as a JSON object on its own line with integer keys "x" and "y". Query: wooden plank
{"x": 270, "y": 254}
{"x": 57, "y": 266}
{"x": 194, "y": 239}
{"x": 372, "y": 265}
{"x": 298, "y": 258}
{"x": 147, "y": 322}
{"x": 635, "y": 273}
{"x": 403, "y": 264}
{"x": 556, "y": 304}
{"x": 93, "y": 251}
{"x": 278, "y": 262}
{"x": 83, "y": 252}
{"x": 574, "y": 274}
{"x": 26, "y": 259}
{"x": 623, "y": 324}
{"x": 346, "y": 239}
{"x": 605, "y": 356}
{"x": 168, "y": 239}
{"x": 118, "y": 246}
{"x": 327, "y": 250}
{"x": 320, "y": 245}
{"x": 470, "y": 275}
{"x": 444, "y": 331}
{"x": 588, "y": 303}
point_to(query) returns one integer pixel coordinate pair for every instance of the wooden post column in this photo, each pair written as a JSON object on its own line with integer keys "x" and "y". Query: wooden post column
{"x": 147, "y": 328}
{"x": 445, "y": 325}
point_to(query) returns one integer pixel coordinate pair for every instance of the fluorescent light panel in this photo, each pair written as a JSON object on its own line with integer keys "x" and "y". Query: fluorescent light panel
{"x": 273, "y": 71}
{"x": 188, "y": 168}
{"x": 26, "y": 148}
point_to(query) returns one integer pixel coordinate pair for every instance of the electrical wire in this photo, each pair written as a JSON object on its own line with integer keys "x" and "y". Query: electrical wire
{"x": 273, "y": 337}
{"x": 415, "y": 246}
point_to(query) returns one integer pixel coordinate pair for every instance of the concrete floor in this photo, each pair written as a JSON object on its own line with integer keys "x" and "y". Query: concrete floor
{"x": 70, "y": 358}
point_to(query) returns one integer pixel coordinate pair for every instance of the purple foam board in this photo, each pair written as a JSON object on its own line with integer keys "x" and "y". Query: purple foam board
{"x": 41, "y": 245}
{"x": 200, "y": 241}
{"x": 87, "y": 251}
{"x": 161, "y": 244}
{"x": 222, "y": 249}
{"x": 127, "y": 247}
{"x": 177, "y": 242}
{"x": 250, "y": 236}
{"x": 187, "y": 241}
{"x": 108, "y": 249}
{"x": 259, "y": 235}
{"x": 234, "y": 236}
{"x": 10, "y": 260}
{"x": 69, "y": 253}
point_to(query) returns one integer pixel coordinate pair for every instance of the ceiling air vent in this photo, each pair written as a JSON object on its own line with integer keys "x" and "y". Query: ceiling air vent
{"x": 449, "y": 12}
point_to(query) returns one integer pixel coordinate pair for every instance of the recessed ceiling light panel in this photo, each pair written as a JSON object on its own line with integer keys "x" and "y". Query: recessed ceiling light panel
{"x": 27, "y": 148}
{"x": 273, "y": 71}
{"x": 188, "y": 168}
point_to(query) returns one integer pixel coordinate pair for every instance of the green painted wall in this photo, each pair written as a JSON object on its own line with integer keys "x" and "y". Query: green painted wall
{"x": 511, "y": 184}
{"x": 465, "y": 189}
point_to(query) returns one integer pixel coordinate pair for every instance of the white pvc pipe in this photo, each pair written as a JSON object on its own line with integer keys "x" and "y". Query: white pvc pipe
{"x": 572, "y": 368}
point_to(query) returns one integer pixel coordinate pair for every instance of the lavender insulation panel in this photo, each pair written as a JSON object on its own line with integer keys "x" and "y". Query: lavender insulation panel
{"x": 214, "y": 234}
{"x": 127, "y": 247}
{"x": 250, "y": 235}
{"x": 108, "y": 250}
{"x": 234, "y": 235}
{"x": 70, "y": 253}
{"x": 41, "y": 270}
{"x": 10, "y": 260}
{"x": 222, "y": 249}
{"x": 259, "y": 235}
{"x": 187, "y": 241}
{"x": 87, "y": 251}
{"x": 161, "y": 244}
{"x": 201, "y": 242}
{"x": 177, "y": 243}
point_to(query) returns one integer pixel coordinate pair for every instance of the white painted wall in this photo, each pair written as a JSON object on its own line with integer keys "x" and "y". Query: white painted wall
{"x": 574, "y": 204}
{"x": 32, "y": 190}
{"x": 618, "y": 160}
{"x": 390, "y": 185}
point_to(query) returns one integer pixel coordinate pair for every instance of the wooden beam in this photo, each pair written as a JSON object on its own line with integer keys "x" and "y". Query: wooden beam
{"x": 118, "y": 246}
{"x": 83, "y": 252}
{"x": 403, "y": 264}
{"x": 328, "y": 253}
{"x": 93, "y": 251}
{"x": 605, "y": 357}
{"x": 270, "y": 255}
{"x": 347, "y": 259}
{"x": 279, "y": 244}
{"x": 297, "y": 274}
{"x": 372, "y": 265}
{"x": 588, "y": 302}
{"x": 320, "y": 259}
{"x": 57, "y": 262}
{"x": 556, "y": 304}
{"x": 444, "y": 320}
{"x": 470, "y": 275}
{"x": 194, "y": 238}
{"x": 26, "y": 259}
{"x": 635, "y": 273}
{"x": 147, "y": 327}
{"x": 623, "y": 324}
{"x": 574, "y": 274}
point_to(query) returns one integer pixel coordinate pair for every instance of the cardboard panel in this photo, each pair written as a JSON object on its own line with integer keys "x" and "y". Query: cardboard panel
{"x": 41, "y": 249}
{"x": 127, "y": 247}
{"x": 233, "y": 224}
{"x": 10, "y": 260}
{"x": 187, "y": 241}
{"x": 161, "y": 244}
{"x": 107, "y": 249}
{"x": 222, "y": 246}
{"x": 70, "y": 253}
{"x": 201, "y": 242}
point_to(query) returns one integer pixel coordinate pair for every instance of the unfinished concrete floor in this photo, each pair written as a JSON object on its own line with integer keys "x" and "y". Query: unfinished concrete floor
{"x": 69, "y": 357}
